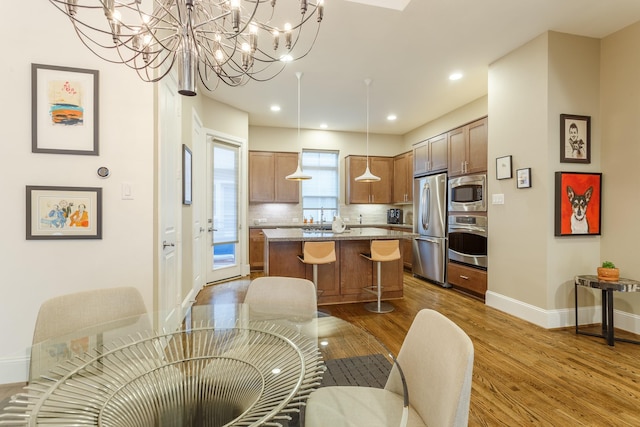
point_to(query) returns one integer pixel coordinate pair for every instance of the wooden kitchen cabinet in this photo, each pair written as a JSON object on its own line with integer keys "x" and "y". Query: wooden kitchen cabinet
{"x": 267, "y": 182}
{"x": 403, "y": 178}
{"x": 407, "y": 249}
{"x": 467, "y": 279}
{"x": 468, "y": 149}
{"x": 256, "y": 249}
{"x": 379, "y": 192}
{"x": 430, "y": 155}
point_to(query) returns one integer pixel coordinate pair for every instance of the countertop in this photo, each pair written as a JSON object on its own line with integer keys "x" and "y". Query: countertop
{"x": 355, "y": 233}
{"x": 327, "y": 225}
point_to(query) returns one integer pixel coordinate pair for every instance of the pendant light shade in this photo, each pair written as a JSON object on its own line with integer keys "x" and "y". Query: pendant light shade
{"x": 298, "y": 175}
{"x": 367, "y": 176}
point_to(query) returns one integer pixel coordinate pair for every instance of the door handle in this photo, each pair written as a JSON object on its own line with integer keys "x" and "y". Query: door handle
{"x": 211, "y": 229}
{"x": 165, "y": 245}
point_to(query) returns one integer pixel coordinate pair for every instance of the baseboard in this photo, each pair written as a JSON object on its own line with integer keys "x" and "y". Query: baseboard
{"x": 14, "y": 369}
{"x": 562, "y": 318}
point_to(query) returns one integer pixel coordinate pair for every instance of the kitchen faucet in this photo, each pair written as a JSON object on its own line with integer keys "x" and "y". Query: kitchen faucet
{"x": 321, "y": 217}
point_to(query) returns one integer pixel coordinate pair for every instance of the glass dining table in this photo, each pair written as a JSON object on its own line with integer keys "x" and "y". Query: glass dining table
{"x": 226, "y": 365}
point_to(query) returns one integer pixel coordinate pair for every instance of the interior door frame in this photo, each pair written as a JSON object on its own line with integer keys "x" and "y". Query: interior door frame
{"x": 243, "y": 239}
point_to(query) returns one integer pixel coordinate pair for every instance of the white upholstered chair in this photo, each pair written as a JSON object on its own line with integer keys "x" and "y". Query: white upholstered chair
{"x": 437, "y": 361}
{"x": 290, "y": 299}
{"x": 67, "y": 314}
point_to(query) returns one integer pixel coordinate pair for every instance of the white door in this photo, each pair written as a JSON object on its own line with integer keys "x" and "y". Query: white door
{"x": 170, "y": 199}
{"x": 199, "y": 148}
{"x": 223, "y": 210}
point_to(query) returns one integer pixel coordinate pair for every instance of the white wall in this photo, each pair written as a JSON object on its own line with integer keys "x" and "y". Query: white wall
{"x": 35, "y": 270}
{"x": 530, "y": 270}
{"x": 620, "y": 152}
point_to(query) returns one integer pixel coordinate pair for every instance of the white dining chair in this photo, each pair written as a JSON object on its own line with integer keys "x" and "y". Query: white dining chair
{"x": 437, "y": 361}
{"x": 70, "y": 313}
{"x": 290, "y": 300}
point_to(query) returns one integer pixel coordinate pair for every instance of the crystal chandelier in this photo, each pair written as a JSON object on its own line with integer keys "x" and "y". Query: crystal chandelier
{"x": 229, "y": 41}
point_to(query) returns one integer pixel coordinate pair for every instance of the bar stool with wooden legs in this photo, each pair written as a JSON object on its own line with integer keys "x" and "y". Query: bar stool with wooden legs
{"x": 317, "y": 253}
{"x": 381, "y": 251}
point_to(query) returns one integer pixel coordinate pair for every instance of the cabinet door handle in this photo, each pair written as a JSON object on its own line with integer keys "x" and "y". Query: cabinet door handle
{"x": 464, "y": 277}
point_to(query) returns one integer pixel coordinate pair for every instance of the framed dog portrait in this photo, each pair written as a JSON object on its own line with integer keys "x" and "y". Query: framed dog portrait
{"x": 575, "y": 139}
{"x": 578, "y": 203}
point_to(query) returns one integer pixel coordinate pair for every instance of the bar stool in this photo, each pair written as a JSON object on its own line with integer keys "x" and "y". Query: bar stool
{"x": 316, "y": 253}
{"x": 381, "y": 251}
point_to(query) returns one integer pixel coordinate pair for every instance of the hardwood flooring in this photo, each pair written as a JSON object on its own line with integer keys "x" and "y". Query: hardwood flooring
{"x": 523, "y": 374}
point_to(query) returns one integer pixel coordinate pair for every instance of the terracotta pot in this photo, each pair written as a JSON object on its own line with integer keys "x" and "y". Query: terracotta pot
{"x": 608, "y": 274}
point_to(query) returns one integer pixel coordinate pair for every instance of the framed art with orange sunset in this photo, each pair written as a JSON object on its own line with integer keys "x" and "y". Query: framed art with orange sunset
{"x": 578, "y": 204}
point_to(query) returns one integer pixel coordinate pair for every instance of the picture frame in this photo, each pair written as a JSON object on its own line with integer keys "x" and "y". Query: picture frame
{"x": 59, "y": 213}
{"x": 503, "y": 168}
{"x": 187, "y": 175}
{"x": 64, "y": 110}
{"x": 575, "y": 138}
{"x": 578, "y": 204}
{"x": 523, "y": 178}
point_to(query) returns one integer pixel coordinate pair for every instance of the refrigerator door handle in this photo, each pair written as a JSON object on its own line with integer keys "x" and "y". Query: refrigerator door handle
{"x": 434, "y": 241}
{"x": 426, "y": 208}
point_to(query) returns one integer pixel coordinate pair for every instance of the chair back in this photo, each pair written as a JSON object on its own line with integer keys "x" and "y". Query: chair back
{"x": 437, "y": 361}
{"x": 385, "y": 250}
{"x": 319, "y": 252}
{"x": 282, "y": 296}
{"x": 68, "y": 313}
{"x": 288, "y": 301}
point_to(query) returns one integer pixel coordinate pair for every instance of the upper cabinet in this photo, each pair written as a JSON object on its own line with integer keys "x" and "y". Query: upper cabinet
{"x": 468, "y": 149}
{"x": 369, "y": 192}
{"x": 430, "y": 155}
{"x": 403, "y": 178}
{"x": 267, "y": 182}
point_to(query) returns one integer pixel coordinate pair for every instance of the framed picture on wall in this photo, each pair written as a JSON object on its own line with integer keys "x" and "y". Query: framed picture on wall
{"x": 187, "y": 175}
{"x": 64, "y": 110}
{"x": 575, "y": 139}
{"x": 64, "y": 212}
{"x": 523, "y": 178}
{"x": 503, "y": 167}
{"x": 578, "y": 203}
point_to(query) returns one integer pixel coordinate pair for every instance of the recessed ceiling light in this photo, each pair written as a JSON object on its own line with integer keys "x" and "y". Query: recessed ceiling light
{"x": 275, "y": 108}
{"x": 455, "y": 76}
{"x": 323, "y": 126}
{"x": 391, "y": 117}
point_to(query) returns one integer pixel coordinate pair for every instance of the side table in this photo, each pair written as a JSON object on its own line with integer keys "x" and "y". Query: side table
{"x": 607, "y": 288}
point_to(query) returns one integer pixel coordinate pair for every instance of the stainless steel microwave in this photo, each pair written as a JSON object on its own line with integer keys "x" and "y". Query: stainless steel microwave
{"x": 468, "y": 193}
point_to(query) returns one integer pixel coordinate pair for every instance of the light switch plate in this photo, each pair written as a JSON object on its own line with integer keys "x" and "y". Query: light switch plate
{"x": 498, "y": 199}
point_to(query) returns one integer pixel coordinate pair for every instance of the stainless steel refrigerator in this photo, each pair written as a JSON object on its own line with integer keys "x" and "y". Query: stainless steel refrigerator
{"x": 429, "y": 222}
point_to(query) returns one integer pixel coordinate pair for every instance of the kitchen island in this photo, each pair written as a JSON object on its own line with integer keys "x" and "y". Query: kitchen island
{"x": 344, "y": 280}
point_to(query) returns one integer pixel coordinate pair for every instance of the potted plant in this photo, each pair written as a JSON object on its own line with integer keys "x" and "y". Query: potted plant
{"x": 608, "y": 272}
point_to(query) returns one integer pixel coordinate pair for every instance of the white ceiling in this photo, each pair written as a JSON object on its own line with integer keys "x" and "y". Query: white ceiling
{"x": 409, "y": 55}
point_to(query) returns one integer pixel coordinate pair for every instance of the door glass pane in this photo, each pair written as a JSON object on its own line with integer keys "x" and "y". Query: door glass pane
{"x": 225, "y": 204}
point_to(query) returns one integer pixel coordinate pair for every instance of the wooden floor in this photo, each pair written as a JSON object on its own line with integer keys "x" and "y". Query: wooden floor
{"x": 523, "y": 374}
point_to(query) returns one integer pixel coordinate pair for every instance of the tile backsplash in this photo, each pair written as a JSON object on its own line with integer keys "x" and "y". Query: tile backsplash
{"x": 288, "y": 213}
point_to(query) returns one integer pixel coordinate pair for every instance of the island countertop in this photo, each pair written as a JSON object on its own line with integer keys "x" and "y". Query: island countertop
{"x": 356, "y": 233}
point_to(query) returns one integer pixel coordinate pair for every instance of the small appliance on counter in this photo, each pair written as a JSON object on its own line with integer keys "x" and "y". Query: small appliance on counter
{"x": 394, "y": 216}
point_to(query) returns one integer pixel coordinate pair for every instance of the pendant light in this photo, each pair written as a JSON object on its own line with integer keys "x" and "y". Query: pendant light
{"x": 298, "y": 175}
{"x": 367, "y": 176}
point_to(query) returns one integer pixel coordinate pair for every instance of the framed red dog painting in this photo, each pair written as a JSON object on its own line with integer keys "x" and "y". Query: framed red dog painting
{"x": 578, "y": 203}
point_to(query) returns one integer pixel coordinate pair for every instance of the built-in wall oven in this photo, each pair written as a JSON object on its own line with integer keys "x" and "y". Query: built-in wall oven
{"x": 468, "y": 240}
{"x": 468, "y": 193}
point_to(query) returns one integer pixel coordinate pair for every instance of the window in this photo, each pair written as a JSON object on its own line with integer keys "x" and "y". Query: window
{"x": 320, "y": 193}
